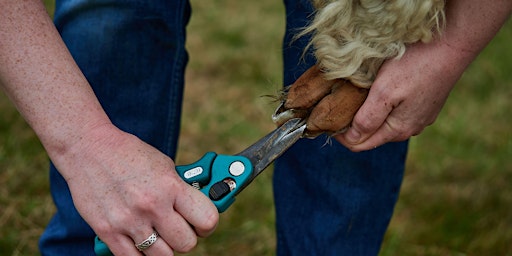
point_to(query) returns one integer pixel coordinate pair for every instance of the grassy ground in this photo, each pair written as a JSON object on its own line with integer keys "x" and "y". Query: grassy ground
{"x": 457, "y": 191}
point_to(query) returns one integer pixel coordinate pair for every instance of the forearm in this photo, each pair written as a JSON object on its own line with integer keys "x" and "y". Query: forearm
{"x": 41, "y": 78}
{"x": 471, "y": 25}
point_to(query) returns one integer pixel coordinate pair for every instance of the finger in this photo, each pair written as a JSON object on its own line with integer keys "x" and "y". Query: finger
{"x": 198, "y": 210}
{"x": 122, "y": 241}
{"x": 370, "y": 117}
{"x": 158, "y": 247}
{"x": 124, "y": 245}
{"x": 393, "y": 129}
{"x": 383, "y": 135}
{"x": 176, "y": 232}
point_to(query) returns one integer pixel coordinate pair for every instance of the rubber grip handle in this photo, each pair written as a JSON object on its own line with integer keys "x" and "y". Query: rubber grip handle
{"x": 235, "y": 168}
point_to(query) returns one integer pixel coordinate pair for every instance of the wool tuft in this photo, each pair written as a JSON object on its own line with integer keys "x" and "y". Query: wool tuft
{"x": 352, "y": 38}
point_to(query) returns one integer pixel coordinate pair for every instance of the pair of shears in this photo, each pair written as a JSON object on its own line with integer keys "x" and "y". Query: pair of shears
{"x": 222, "y": 177}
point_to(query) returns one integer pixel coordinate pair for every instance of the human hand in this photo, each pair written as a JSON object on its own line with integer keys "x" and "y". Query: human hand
{"x": 125, "y": 190}
{"x": 406, "y": 96}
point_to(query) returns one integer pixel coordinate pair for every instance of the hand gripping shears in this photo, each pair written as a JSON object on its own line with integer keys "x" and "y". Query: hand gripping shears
{"x": 222, "y": 177}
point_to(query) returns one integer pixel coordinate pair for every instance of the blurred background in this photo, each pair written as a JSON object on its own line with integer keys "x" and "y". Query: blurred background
{"x": 457, "y": 191}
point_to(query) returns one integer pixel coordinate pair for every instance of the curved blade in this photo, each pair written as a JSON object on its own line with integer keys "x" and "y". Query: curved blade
{"x": 267, "y": 149}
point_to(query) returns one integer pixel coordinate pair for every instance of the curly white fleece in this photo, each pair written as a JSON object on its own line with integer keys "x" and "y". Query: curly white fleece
{"x": 352, "y": 38}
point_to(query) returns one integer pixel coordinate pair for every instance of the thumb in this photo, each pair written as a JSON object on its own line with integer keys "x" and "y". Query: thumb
{"x": 353, "y": 135}
{"x": 368, "y": 119}
{"x": 356, "y": 136}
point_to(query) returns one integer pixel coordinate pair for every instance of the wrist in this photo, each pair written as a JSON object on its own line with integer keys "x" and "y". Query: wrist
{"x": 67, "y": 148}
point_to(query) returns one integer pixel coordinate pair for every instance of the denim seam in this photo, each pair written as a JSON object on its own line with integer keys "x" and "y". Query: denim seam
{"x": 177, "y": 70}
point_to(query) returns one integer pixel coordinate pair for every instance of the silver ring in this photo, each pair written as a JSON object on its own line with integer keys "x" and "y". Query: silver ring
{"x": 148, "y": 242}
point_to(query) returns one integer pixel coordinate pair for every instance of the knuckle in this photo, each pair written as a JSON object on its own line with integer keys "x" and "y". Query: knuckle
{"x": 396, "y": 131}
{"x": 103, "y": 228}
{"x": 405, "y": 133}
{"x": 208, "y": 225}
{"x": 211, "y": 221}
{"x": 385, "y": 94}
{"x": 115, "y": 222}
{"x": 120, "y": 218}
{"x": 363, "y": 124}
{"x": 144, "y": 201}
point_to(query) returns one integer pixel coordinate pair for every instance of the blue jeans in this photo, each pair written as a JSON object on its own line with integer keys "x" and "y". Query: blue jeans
{"x": 329, "y": 201}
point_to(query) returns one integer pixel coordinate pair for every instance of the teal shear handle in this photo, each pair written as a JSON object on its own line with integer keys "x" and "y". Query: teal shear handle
{"x": 220, "y": 177}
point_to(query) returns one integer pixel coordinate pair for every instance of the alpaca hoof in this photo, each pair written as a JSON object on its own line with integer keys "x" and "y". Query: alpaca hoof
{"x": 328, "y": 106}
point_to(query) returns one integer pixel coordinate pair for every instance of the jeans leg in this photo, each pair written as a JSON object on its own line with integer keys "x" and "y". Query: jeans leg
{"x": 330, "y": 201}
{"x": 133, "y": 54}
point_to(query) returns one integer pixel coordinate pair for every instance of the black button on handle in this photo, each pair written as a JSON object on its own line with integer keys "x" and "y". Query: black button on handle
{"x": 219, "y": 190}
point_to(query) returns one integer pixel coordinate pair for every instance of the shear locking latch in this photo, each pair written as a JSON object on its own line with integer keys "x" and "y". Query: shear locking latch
{"x": 220, "y": 189}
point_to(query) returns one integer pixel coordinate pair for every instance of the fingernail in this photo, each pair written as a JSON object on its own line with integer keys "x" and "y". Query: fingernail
{"x": 353, "y": 136}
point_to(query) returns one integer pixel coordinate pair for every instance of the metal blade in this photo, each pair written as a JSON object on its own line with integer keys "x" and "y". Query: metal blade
{"x": 266, "y": 150}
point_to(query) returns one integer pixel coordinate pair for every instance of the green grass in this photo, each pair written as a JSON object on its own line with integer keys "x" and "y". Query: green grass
{"x": 457, "y": 191}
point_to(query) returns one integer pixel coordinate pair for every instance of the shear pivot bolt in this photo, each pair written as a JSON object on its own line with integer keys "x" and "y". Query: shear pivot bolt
{"x": 236, "y": 168}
